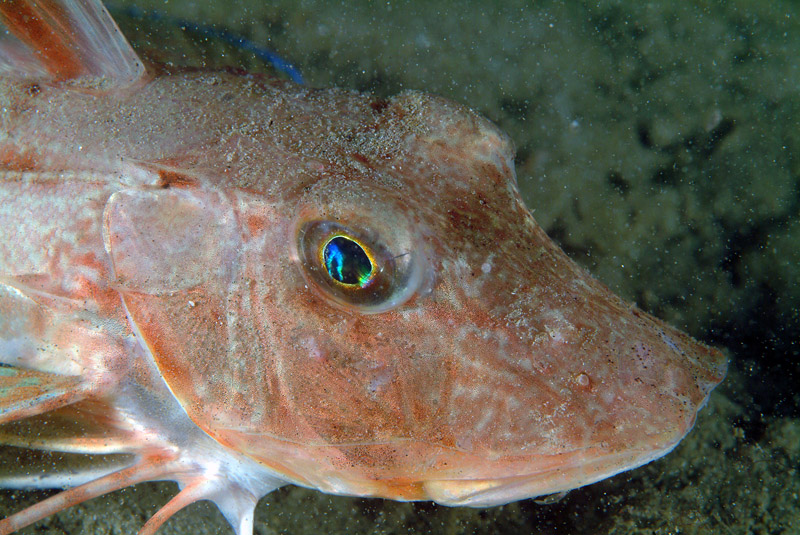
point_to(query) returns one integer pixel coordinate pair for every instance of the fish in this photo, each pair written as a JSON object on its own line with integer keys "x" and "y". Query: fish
{"x": 237, "y": 283}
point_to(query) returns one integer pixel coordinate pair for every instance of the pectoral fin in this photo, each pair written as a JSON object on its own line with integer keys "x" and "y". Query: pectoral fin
{"x": 28, "y": 392}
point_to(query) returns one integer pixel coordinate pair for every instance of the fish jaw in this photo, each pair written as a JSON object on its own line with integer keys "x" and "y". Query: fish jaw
{"x": 559, "y": 474}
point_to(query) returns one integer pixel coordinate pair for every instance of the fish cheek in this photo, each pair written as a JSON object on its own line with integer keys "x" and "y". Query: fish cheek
{"x": 368, "y": 379}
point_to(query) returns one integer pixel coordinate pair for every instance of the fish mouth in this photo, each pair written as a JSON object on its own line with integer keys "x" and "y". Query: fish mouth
{"x": 560, "y": 473}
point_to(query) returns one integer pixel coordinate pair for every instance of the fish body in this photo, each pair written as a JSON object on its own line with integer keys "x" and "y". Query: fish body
{"x": 237, "y": 283}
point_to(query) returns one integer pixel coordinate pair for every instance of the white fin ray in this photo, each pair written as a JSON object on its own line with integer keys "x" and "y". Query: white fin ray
{"x": 144, "y": 471}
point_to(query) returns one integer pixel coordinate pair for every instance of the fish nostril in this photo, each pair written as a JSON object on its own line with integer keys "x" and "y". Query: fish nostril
{"x": 583, "y": 380}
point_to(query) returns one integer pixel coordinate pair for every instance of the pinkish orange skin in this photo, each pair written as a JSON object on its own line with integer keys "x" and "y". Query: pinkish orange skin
{"x": 170, "y": 215}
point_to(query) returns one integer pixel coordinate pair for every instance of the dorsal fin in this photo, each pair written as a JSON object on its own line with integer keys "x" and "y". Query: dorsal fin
{"x": 65, "y": 39}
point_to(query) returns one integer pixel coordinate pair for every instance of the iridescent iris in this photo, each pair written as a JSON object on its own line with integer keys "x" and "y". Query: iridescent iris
{"x": 347, "y": 262}
{"x": 368, "y": 270}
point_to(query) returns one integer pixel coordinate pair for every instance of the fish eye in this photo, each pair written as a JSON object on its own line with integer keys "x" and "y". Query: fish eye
{"x": 347, "y": 261}
{"x": 357, "y": 268}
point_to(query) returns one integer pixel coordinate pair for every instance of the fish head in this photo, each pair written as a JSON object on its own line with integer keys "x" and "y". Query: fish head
{"x": 395, "y": 323}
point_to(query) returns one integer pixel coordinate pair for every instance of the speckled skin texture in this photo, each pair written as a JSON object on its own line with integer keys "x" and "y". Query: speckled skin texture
{"x": 604, "y": 240}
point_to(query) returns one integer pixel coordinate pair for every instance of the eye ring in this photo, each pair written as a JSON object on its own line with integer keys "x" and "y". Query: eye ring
{"x": 356, "y": 269}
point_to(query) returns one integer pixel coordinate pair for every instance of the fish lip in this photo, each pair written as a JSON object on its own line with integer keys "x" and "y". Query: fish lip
{"x": 499, "y": 491}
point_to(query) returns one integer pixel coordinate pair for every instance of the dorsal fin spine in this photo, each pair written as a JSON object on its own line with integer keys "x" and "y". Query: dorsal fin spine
{"x": 30, "y": 27}
{"x": 70, "y": 38}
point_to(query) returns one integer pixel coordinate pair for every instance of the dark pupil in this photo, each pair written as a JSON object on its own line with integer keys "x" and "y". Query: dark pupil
{"x": 346, "y": 261}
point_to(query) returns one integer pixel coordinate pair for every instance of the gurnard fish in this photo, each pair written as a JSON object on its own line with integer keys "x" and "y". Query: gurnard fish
{"x": 237, "y": 283}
